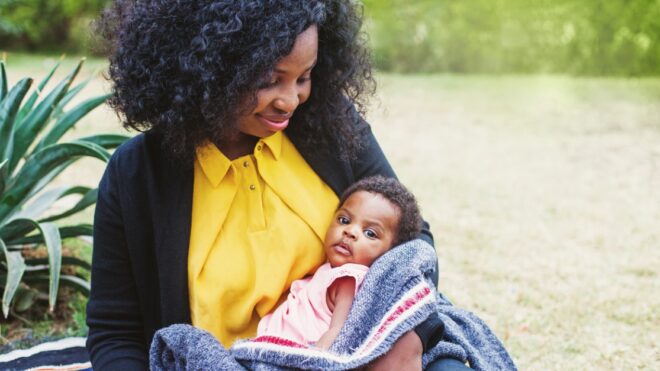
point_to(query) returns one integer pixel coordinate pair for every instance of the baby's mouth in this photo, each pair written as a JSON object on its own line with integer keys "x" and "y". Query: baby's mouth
{"x": 343, "y": 249}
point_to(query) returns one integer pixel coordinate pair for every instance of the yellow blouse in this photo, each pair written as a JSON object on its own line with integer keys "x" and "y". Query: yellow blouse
{"x": 258, "y": 223}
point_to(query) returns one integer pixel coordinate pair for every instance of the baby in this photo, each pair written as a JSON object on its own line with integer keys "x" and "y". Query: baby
{"x": 374, "y": 214}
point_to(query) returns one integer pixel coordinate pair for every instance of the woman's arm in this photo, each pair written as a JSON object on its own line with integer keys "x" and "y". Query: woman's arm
{"x": 340, "y": 296}
{"x": 116, "y": 333}
{"x": 406, "y": 354}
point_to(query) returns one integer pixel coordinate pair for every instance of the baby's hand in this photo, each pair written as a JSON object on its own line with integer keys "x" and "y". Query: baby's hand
{"x": 324, "y": 342}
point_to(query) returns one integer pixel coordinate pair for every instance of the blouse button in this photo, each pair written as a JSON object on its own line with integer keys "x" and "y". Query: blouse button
{"x": 252, "y": 187}
{"x": 259, "y": 147}
{"x": 246, "y": 164}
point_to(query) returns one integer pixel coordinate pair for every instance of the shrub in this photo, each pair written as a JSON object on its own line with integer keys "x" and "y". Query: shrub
{"x": 31, "y": 157}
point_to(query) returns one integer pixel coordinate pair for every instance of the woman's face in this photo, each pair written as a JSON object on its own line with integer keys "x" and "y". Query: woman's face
{"x": 289, "y": 86}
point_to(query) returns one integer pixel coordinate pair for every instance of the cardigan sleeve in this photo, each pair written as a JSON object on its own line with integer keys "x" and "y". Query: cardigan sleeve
{"x": 116, "y": 331}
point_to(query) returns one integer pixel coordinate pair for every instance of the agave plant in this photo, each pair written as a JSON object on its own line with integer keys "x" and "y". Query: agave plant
{"x": 31, "y": 157}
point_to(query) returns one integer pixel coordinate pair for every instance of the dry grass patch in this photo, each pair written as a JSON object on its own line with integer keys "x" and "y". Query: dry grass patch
{"x": 542, "y": 193}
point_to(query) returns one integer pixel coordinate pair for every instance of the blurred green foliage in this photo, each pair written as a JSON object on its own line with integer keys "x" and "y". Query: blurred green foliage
{"x": 582, "y": 37}
{"x": 47, "y": 25}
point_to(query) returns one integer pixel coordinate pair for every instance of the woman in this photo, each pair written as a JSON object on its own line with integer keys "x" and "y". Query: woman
{"x": 251, "y": 113}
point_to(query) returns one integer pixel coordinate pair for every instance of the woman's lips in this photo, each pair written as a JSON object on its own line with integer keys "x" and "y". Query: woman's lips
{"x": 274, "y": 123}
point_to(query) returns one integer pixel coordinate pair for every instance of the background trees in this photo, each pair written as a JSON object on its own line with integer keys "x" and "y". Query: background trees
{"x": 588, "y": 37}
{"x": 47, "y": 25}
{"x": 581, "y": 37}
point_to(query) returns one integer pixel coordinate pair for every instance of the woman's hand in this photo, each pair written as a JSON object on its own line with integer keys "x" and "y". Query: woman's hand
{"x": 406, "y": 354}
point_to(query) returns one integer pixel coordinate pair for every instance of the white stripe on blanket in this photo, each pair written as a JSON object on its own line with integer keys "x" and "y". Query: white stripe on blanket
{"x": 71, "y": 367}
{"x": 417, "y": 297}
{"x": 45, "y": 347}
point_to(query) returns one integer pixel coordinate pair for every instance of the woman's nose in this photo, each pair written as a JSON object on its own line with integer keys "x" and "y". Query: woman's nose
{"x": 287, "y": 100}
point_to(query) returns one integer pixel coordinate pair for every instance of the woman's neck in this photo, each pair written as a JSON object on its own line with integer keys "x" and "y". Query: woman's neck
{"x": 237, "y": 146}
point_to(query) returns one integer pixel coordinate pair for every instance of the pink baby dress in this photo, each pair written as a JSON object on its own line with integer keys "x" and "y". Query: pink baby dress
{"x": 304, "y": 317}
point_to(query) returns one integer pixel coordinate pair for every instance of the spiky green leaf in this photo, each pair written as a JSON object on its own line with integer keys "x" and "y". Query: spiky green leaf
{"x": 3, "y": 175}
{"x": 59, "y": 110}
{"x": 46, "y": 179}
{"x": 14, "y": 229}
{"x": 107, "y": 141}
{"x": 53, "y": 242}
{"x": 65, "y": 232}
{"x": 46, "y": 199}
{"x": 41, "y": 164}
{"x": 69, "y": 119}
{"x": 27, "y": 107}
{"x": 15, "y": 270}
{"x": 88, "y": 199}
{"x": 74, "y": 282}
{"x": 3, "y": 81}
{"x": 8, "y": 108}
{"x": 34, "y": 122}
{"x": 42, "y": 203}
{"x": 41, "y": 264}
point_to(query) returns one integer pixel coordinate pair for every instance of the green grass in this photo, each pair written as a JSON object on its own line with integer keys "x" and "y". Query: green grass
{"x": 542, "y": 193}
{"x": 38, "y": 324}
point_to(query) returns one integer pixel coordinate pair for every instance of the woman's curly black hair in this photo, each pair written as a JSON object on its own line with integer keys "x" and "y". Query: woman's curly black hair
{"x": 410, "y": 218}
{"x": 185, "y": 69}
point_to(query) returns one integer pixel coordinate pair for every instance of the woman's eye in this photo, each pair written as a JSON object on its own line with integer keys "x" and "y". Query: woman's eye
{"x": 370, "y": 233}
{"x": 269, "y": 83}
{"x": 343, "y": 220}
{"x": 303, "y": 80}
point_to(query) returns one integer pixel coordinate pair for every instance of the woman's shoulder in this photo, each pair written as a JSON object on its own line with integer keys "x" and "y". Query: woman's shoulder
{"x": 139, "y": 151}
{"x": 135, "y": 146}
{"x": 136, "y": 158}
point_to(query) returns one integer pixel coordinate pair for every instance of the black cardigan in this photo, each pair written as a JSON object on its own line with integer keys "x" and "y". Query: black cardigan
{"x": 141, "y": 236}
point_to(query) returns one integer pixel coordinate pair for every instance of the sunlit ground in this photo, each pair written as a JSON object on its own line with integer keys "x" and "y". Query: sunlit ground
{"x": 543, "y": 195}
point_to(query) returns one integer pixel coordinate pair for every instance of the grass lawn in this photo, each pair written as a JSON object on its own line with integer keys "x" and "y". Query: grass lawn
{"x": 542, "y": 193}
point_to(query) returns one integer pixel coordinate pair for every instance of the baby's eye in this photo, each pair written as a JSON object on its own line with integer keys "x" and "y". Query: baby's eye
{"x": 343, "y": 220}
{"x": 370, "y": 233}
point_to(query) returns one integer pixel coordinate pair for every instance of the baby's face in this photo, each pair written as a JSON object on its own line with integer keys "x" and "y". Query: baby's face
{"x": 363, "y": 229}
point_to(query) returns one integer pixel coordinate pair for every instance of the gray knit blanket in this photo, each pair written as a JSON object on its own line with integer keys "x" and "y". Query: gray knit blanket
{"x": 394, "y": 298}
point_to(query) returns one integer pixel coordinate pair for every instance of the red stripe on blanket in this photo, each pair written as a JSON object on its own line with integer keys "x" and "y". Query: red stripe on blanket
{"x": 421, "y": 294}
{"x": 400, "y": 311}
{"x": 278, "y": 341}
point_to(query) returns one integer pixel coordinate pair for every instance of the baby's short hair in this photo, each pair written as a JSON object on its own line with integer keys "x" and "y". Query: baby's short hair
{"x": 410, "y": 219}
